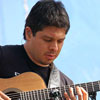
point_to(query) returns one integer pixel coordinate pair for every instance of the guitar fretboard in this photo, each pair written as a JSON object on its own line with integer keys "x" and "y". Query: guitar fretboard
{"x": 44, "y": 94}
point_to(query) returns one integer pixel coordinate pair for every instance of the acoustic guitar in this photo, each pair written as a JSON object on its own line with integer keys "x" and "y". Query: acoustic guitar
{"x": 30, "y": 86}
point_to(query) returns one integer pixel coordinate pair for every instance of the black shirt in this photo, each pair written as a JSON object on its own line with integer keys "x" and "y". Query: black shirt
{"x": 14, "y": 60}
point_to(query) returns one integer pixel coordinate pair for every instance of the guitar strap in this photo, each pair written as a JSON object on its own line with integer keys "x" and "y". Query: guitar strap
{"x": 54, "y": 80}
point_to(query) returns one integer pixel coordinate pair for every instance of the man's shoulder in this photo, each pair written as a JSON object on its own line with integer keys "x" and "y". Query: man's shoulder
{"x": 65, "y": 80}
{"x": 8, "y": 50}
{"x": 4, "y": 47}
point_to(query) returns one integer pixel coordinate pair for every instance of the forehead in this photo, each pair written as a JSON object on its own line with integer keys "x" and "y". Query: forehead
{"x": 52, "y": 31}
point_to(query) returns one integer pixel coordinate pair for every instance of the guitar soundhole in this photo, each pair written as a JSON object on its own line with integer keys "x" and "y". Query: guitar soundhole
{"x": 13, "y": 95}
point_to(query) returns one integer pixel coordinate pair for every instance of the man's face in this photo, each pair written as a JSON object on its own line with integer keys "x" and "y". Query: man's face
{"x": 46, "y": 45}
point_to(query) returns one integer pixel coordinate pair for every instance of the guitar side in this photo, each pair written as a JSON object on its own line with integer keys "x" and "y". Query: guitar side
{"x": 27, "y": 81}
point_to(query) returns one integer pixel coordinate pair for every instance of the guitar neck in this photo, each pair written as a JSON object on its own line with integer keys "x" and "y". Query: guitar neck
{"x": 89, "y": 87}
{"x": 44, "y": 94}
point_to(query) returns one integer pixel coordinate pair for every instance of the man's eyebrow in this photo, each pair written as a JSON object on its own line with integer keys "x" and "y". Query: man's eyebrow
{"x": 47, "y": 37}
{"x": 52, "y": 37}
{"x": 63, "y": 38}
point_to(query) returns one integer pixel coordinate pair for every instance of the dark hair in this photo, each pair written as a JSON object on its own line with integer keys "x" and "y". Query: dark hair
{"x": 47, "y": 13}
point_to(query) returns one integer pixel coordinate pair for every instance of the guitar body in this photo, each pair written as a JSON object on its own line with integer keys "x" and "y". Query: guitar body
{"x": 27, "y": 81}
{"x": 17, "y": 86}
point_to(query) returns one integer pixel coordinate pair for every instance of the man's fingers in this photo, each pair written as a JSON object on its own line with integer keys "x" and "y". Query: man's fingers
{"x": 85, "y": 94}
{"x": 66, "y": 96}
{"x": 3, "y": 96}
{"x": 82, "y": 94}
{"x": 72, "y": 96}
{"x": 79, "y": 93}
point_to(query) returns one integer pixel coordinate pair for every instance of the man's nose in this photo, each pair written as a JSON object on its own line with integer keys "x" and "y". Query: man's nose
{"x": 54, "y": 46}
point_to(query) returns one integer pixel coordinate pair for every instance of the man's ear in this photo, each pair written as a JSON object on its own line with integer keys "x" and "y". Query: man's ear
{"x": 28, "y": 33}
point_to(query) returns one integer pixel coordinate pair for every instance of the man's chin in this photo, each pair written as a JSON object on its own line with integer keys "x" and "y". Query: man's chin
{"x": 48, "y": 62}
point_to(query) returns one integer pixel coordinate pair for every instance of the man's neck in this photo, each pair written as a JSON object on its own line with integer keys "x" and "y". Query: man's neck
{"x": 26, "y": 49}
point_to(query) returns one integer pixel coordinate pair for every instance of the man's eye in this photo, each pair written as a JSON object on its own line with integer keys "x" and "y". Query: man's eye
{"x": 60, "y": 41}
{"x": 47, "y": 40}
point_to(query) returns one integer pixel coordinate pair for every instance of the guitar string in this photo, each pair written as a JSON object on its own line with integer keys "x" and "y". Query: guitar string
{"x": 56, "y": 88}
{"x": 62, "y": 87}
{"x": 16, "y": 96}
{"x": 49, "y": 90}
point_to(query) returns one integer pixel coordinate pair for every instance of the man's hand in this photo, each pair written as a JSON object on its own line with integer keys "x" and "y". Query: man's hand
{"x": 82, "y": 94}
{"x": 3, "y": 96}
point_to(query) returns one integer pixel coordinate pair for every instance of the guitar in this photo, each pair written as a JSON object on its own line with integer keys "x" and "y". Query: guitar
{"x": 30, "y": 86}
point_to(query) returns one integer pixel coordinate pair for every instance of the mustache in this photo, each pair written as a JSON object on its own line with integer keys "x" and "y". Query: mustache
{"x": 51, "y": 53}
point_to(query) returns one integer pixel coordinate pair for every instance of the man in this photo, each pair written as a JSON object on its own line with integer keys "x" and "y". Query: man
{"x": 46, "y": 27}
